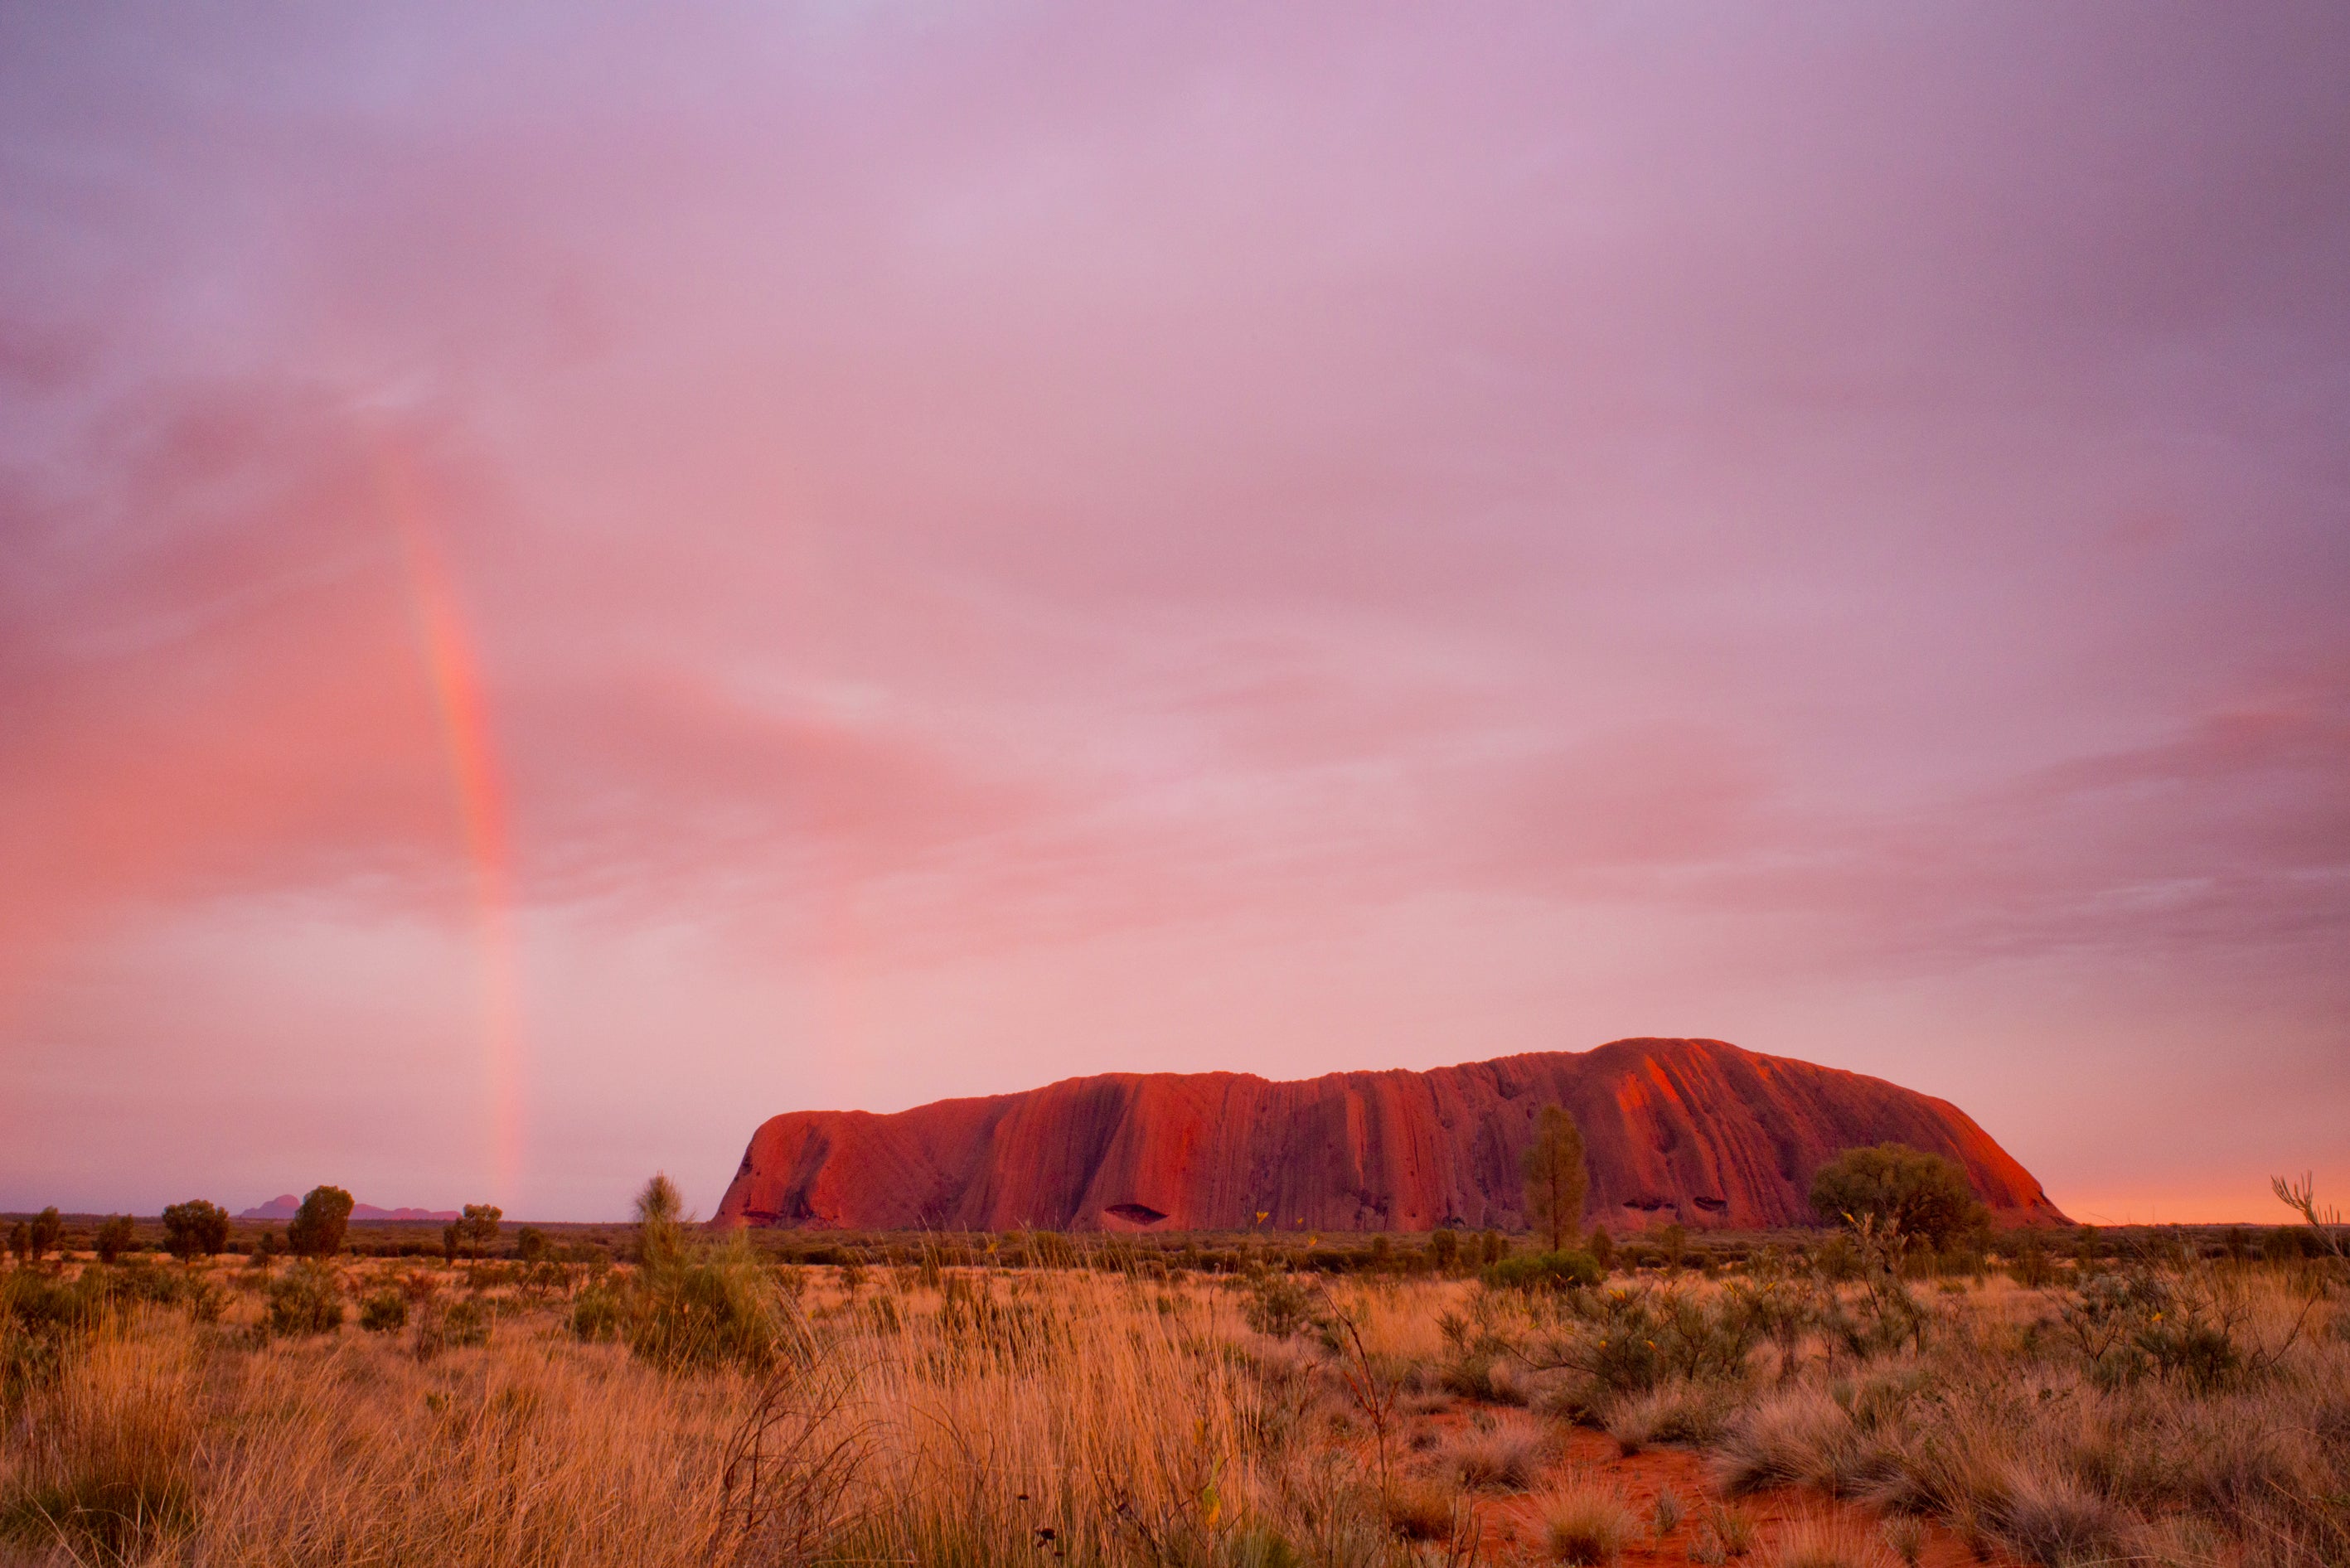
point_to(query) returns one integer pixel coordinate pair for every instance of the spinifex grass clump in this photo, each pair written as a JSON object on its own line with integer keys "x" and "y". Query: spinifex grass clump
{"x": 1588, "y": 1525}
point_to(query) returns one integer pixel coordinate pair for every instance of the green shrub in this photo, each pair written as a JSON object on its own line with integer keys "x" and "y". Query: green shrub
{"x": 2030, "y": 1267}
{"x": 705, "y": 1312}
{"x": 305, "y": 1300}
{"x": 1926, "y": 1195}
{"x": 460, "y": 1325}
{"x": 688, "y": 1305}
{"x": 1560, "y": 1271}
{"x": 40, "y": 1319}
{"x": 384, "y": 1312}
{"x": 137, "y": 1281}
{"x": 1444, "y": 1249}
{"x": 597, "y": 1314}
{"x": 1602, "y": 1248}
{"x": 1629, "y": 1341}
{"x": 1278, "y": 1305}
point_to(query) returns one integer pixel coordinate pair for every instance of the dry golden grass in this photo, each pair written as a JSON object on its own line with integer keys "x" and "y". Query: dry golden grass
{"x": 1036, "y": 1418}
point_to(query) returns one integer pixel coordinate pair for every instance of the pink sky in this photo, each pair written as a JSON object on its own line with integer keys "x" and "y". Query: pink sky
{"x": 571, "y": 584}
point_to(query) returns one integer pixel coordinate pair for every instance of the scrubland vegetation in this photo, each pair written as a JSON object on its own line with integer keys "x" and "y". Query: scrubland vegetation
{"x": 1852, "y": 1402}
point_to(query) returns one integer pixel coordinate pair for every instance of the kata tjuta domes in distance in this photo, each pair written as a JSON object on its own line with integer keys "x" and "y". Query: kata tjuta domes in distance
{"x": 1696, "y": 1131}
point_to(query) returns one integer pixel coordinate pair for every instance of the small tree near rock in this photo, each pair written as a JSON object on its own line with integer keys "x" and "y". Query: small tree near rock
{"x": 1555, "y": 1178}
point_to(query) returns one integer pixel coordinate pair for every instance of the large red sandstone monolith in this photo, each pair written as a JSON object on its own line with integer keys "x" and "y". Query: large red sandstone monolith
{"x": 1690, "y": 1130}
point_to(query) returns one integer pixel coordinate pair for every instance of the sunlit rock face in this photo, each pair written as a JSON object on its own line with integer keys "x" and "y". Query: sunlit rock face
{"x": 1689, "y": 1130}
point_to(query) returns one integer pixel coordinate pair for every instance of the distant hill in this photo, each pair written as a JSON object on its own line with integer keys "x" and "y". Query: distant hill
{"x": 1689, "y": 1130}
{"x": 284, "y": 1205}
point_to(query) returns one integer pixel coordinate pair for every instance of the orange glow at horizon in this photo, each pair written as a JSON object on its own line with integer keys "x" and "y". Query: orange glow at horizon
{"x": 455, "y": 679}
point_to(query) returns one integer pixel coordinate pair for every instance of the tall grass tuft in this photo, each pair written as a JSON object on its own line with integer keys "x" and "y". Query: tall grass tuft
{"x": 1586, "y": 1524}
{"x": 101, "y": 1462}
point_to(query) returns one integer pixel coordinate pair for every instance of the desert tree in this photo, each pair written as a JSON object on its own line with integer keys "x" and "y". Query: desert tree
{"x": 115, "y": 1237}
{"x": 316, "y": 1230}
{"x": 47, "y": 1232}
{"x": 1555, "y": 1178}
{"x": 1906, "y": 1191}
{"x": 195, "y": 1229}
{"x": 478, "y": 1229}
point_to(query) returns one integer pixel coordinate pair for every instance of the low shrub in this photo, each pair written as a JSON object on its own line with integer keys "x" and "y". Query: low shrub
{"x": 459, "y": 1325}
{"x": 1278, "y": 1305}
{"x": 705, "y": 1312}
{"x": 1629, "y": 1341}
{"x": 1561, "y": 1271}
{"x": 138, "y": 1280}
{"x": 305, "y": 1300}
{"x": 596, "y": 1312}
{"x": 383, "y": 1313}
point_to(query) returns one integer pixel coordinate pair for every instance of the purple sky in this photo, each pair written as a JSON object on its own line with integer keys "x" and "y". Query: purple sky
{"x": 567, "y": 585}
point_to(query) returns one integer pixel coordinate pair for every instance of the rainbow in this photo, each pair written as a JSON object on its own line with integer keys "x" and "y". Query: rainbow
{"x": 455, "y": 679}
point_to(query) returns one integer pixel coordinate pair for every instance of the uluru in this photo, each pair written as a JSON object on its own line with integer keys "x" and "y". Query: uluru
{"x": 1695, "y": 1131}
